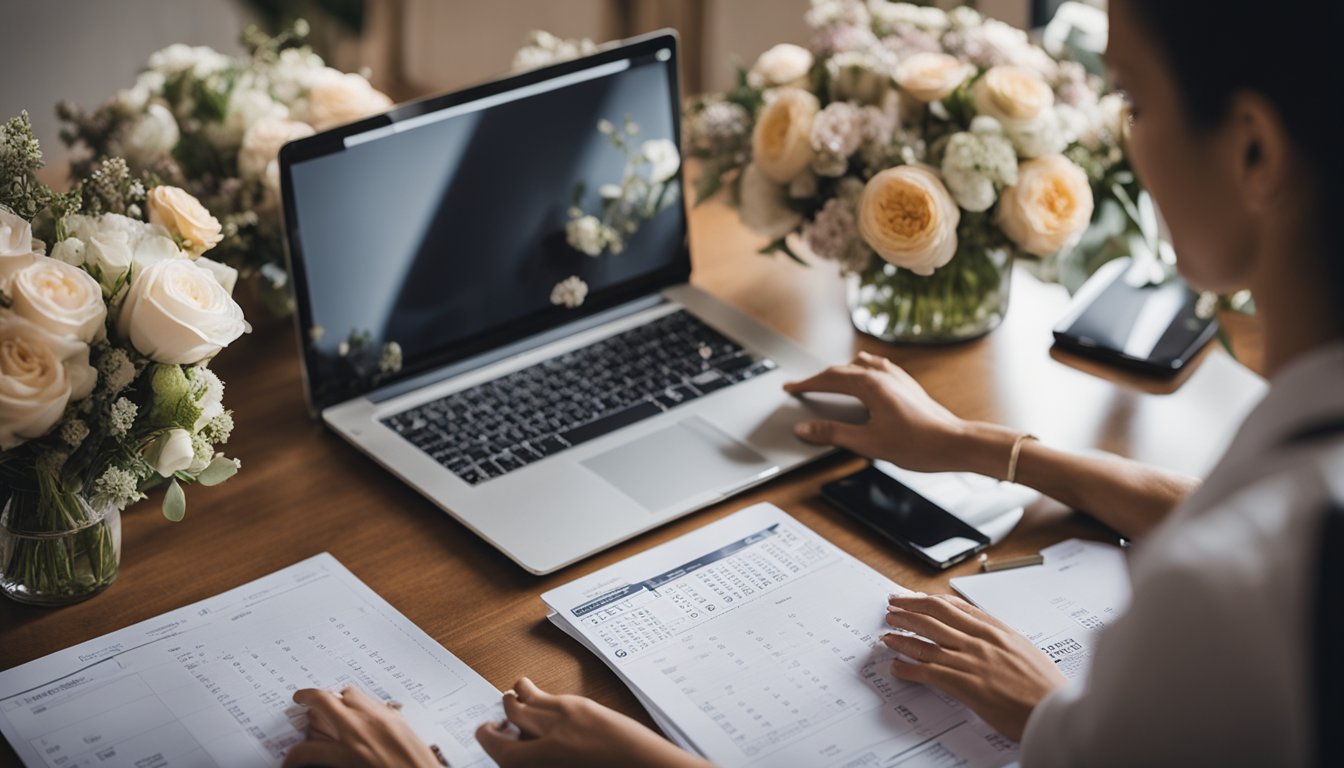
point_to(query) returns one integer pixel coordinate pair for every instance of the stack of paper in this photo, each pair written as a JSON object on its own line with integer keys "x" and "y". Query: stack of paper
{"x": 753, "y": 641}
{"x": 211, "y": 684}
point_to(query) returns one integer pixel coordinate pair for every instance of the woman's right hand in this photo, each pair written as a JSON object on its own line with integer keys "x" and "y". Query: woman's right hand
{"x": 905, "y": 425}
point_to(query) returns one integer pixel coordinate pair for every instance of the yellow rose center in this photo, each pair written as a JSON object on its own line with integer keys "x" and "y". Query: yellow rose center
{"x": 1058, "y": 199}
{"x": 775, "y": 130}
{"x": 903, "y": 211}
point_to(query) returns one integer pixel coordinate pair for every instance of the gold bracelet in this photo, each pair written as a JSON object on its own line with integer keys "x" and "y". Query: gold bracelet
{"x": 1017, "y": 451}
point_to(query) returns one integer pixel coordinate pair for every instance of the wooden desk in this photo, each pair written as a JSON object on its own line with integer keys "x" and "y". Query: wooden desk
{"x": 303, "y": 491}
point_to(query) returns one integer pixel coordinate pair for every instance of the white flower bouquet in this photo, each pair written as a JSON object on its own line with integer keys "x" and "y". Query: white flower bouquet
{"x": 920, "y": 150}
{"x": 107, "y": 327}
{"x": 214, "y": 125}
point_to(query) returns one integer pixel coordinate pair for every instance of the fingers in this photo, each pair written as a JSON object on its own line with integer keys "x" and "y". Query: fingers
{"x": 854, "y": 380}
{"x": 532, "y": 694}
{"x": 504, "y": 746}
{"x": 531, "y": 720}
{"x": 320, "y": 753}
{"x": 823, "y": 432}
{"x": 326, "y": 707}
{"x": 926, "y": 626}
{"x": 942, "y": 608}
{"x": 915, "y": 648}
{"x": 357, "y": 699}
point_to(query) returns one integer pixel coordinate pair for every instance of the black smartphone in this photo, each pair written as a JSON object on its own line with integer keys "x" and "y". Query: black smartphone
{"x": 1120, "y": 317}
{"x": 917, "y": 525}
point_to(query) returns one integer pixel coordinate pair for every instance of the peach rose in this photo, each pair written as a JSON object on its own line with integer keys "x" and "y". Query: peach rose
{"x": 781, "y": 144}
{"x": 177, "y": 211}
{"x": 932, "y": 76}
{"x": 908, "y": 217}
{"x": 1049, "y": 207}
{"x": 1012, "y": 95}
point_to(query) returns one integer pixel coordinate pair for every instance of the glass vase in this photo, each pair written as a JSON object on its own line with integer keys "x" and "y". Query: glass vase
{"x": 965, "y": 299}
{"x": 56, "y": 548}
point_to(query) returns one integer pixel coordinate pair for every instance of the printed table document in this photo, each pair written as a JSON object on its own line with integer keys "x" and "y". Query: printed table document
{"x": 1061, "y": 605}
{"x": 754, "y": 641}
{"x": 211, "y": 684}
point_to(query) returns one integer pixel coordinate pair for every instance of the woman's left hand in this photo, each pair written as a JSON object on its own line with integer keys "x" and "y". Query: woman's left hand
{"x": 973, "y": 656}
{"x": 354, "y": 730}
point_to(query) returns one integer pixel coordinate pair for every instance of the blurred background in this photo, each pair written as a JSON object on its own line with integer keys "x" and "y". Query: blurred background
{"x": 410, "y": 48}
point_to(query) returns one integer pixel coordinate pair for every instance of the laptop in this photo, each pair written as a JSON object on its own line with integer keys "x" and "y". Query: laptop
{"x": 493, "y": 304}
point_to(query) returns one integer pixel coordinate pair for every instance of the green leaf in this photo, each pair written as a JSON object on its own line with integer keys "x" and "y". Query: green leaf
{"x": 220, "y": 469}
{"x": 174, "y": 502}
{"x": 782, "y": 246}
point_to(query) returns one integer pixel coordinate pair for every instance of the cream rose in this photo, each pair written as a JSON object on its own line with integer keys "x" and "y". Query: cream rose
{"x": 172, "y": 452}
{"x": 908, "y": 217}
{"x": 178, "y": 313}
{"x": 177, "y": 211}
{"x": 932, "y": 76}
{"x": 781, "y": 144}
{"x": 1012, "y": 95}
{"x": 16, "y": 244}
{"x": 337, "y": 98}
{"x": 784, "y": 64}
{"x": 152, "y": 136}
{"x": 1049, "y": 207}
{"x": 60, "y": 298}
{"x": 40, "y": 373}
{"x": 262, "y": 143}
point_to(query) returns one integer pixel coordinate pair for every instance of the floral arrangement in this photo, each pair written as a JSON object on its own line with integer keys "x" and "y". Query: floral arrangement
{"x": 919, "y": 149}
{"x": 108, "y": 323}
{"x": 214, "y": 124}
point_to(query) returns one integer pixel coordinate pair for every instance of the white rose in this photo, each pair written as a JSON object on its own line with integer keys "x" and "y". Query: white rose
{"x": 932, "y": 76}
{"x": 1012, "y": 95}
{"x": 60, "y": 298}
{"x": 765, "y": 205}
{"x": 173, "y": 452}
{"x": 40, "y": 373}
{"x": 71, "y": 250}
{"x": 784, "y": 64}
{"x": 1049, "y": 207}
{"x": 247, "y": 107}
{"x": 110, "y": 252}
{"x": 336, "y": 98}
{"x": 781, "y": 144}
{"x": 16, "y": 244}
{"x": 178, "y": 313}
{"x": 177, "y": 211}
{"x": 908, "y": 217}
{"x": 663, "y": 159}
{"x": 1049, "y": 134}
{"x": 152, "y": 136}
{"x": 262, "y": 143}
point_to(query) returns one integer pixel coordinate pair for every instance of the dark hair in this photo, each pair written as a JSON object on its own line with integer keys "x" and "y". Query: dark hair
{"x": 1282, "y": 49}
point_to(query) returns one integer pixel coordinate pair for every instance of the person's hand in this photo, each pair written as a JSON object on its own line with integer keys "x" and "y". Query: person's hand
{"x": 973, "y": 656}
{"x": 353, "y": 730}
{"x": 566, "y": 730}
{"x": 905, "y": 426}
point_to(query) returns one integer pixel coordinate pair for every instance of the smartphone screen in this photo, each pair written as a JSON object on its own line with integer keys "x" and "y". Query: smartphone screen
{"x": 921, "y": 527}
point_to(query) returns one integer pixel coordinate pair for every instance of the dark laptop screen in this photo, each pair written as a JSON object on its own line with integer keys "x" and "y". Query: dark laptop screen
{"x": 441, "y": 233}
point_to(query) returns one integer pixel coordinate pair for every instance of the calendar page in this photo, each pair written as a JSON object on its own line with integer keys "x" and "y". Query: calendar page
{"x": 757, "y": 642}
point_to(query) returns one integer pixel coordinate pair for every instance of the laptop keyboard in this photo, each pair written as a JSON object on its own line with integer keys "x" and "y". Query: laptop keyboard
{"x": 494, "y": 428}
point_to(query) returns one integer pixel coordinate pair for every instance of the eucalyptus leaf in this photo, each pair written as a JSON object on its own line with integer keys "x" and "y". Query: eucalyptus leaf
{"x": 220, "y": 469}
{"x": 174, "y": 502}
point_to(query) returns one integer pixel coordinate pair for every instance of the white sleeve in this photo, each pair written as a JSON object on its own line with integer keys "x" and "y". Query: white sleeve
{"x": 1199, "y": 671}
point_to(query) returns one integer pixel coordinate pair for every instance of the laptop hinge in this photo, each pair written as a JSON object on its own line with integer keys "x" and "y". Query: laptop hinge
{"x": 460, "y": 367}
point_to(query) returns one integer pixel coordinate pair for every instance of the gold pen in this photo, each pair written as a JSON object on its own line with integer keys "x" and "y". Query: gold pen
{"x": 1012, "y": 562}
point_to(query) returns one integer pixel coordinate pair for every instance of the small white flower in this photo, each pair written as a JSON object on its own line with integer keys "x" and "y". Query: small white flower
{"x": 121, "y": 417}
{"x": 343, "y": 349}
{"x": 569, "y": 292}
{"x": 662, "y": 157}
{"x": 117, "y": 369}
{"x": 220, "y": 428}
{"x": 605, "y": 126}
{"x": 587, "y": 234}
{"x": 73, "y": 433}
{"x": 609, "y": 192}
{"x": 116, "y": 486}
{"x": 390, "y": 360}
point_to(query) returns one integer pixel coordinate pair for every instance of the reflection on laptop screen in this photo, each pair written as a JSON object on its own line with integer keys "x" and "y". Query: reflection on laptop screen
{"x": 479, "y": 223}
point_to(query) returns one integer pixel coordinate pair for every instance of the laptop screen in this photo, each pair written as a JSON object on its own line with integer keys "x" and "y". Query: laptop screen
{"x": 461, "y": 223}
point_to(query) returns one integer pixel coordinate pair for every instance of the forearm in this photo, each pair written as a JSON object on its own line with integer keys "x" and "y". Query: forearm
{"x": 1128, "y": 496}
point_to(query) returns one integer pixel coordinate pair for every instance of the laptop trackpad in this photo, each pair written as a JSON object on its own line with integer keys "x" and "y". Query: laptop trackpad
{"x": 675, "y": 464}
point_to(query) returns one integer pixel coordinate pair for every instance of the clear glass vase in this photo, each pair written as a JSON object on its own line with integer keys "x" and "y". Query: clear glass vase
{"x": 963, "y": 300}
{"x": 56, "y": 548}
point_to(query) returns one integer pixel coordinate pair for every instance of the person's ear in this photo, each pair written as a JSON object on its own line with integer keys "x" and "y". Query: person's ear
{"x": 1262, "y": 151}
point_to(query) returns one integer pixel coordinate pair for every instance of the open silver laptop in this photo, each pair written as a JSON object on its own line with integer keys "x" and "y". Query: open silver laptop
{"x": 493, "y": 304}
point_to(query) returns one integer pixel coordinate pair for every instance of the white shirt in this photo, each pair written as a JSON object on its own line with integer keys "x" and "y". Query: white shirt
{"x": 1211, "y": 665}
